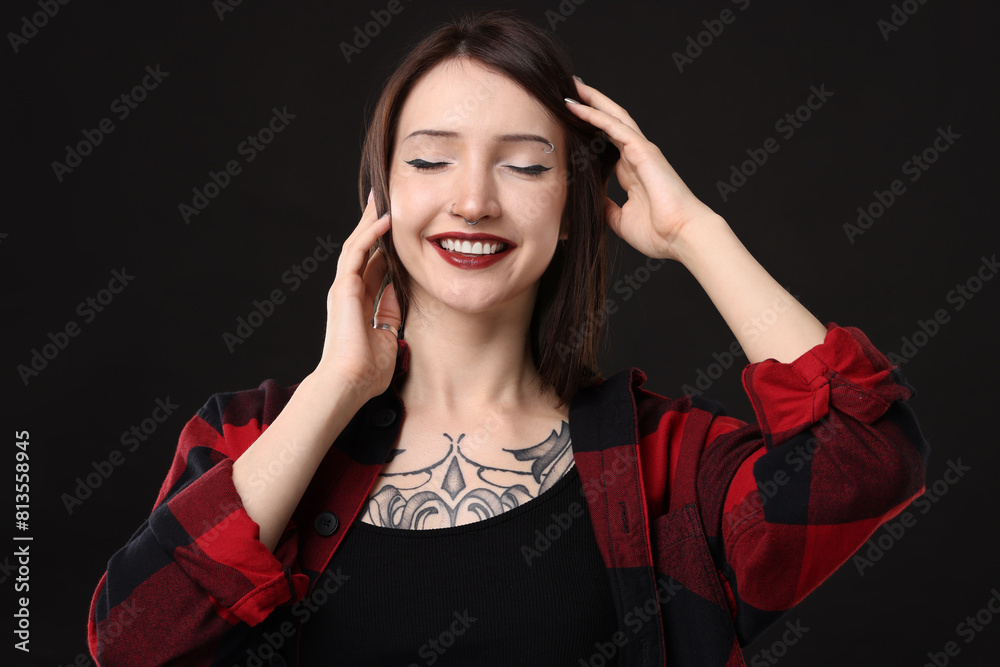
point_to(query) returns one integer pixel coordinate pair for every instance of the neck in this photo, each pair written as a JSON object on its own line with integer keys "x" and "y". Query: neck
{"x": 463, "y": 363}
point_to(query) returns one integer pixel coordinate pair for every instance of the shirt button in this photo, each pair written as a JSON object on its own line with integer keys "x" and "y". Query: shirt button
{"x": 384, "y": 417}
{"x": 326, "y": 523}
{"x": 277, "y": 661}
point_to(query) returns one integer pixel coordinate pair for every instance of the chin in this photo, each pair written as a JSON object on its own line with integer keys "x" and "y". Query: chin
{"x": 468, "y": 299}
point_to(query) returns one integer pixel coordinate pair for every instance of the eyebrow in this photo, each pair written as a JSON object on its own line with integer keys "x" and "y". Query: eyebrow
{"x": 500, "y": 138}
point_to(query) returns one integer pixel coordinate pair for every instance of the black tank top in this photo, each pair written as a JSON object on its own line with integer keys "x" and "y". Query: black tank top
{"x": 525, "y": 587}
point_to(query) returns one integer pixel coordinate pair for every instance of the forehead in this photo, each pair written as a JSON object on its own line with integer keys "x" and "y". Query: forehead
{"x": 464, "y": 96}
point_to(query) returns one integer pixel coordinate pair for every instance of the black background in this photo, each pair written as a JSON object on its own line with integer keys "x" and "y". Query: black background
{"x": 162, "y": 335}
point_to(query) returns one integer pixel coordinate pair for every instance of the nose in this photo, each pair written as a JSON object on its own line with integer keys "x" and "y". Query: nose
{"x": 471, "y": 222}
{"x": 474, "y": 198}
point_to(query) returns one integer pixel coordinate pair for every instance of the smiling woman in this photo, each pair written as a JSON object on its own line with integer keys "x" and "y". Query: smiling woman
{"x": 458, "y": 472}
{"x": 473, "y": 127}
{"x": 484, "y": 171}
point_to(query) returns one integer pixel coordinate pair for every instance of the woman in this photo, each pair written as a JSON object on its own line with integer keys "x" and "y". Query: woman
{"x": 298, "y": 524}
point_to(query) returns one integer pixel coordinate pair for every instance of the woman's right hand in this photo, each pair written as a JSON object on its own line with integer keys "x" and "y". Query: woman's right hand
{"x": 353, "y": 351}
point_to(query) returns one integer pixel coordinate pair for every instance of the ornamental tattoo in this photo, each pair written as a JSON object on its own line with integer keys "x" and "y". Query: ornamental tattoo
{"x": 448, "y": 492}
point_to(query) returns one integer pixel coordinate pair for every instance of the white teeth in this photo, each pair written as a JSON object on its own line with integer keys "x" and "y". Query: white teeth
{"x": 469, "y": 248}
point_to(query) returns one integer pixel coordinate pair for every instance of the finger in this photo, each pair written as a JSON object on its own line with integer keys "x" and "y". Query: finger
{"x": 368, "y": 216}
{"x": 596, "y": 99}
{"x": 375, "y": 271}
{"x": 617, "y": 131}
{"x": 613, "y": 212}
{"x": 388, "y": 308}
{"x": 354, "y": 252}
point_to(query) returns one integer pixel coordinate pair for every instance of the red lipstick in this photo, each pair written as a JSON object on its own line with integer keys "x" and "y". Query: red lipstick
{"x": 469, "y": 261}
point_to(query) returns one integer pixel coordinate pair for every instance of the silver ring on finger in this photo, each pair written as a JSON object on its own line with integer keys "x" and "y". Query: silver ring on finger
{"x": 388, "y": 327}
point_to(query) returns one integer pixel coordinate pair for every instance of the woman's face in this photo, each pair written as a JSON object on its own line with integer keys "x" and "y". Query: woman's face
{"x": 472, "y": 139}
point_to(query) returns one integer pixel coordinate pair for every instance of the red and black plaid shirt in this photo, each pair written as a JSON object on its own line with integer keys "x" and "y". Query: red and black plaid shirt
{"x": 710, "y": 528}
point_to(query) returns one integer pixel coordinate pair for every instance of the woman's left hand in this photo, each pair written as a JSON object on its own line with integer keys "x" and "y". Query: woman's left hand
{"x": 659, "y": 206}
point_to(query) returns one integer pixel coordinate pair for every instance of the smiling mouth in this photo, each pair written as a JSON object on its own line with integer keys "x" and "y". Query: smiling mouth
{"x": 471, "y": 247}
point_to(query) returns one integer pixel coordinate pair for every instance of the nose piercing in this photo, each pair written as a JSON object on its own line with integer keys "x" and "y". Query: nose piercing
{"x": 471, "y": 222}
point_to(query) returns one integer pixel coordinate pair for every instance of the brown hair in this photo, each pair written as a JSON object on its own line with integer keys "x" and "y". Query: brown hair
{"x": 569, "y": 313}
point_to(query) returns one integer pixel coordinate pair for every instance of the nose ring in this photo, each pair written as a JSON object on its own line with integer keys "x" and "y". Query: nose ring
{"x": 471, "y": 222}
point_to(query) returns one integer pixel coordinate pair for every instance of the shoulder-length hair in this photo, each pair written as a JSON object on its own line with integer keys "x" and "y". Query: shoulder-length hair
{"x": 569, "y": 312}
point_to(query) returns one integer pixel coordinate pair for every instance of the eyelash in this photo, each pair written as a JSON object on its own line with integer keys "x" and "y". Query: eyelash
{"x": 423, "y": 165}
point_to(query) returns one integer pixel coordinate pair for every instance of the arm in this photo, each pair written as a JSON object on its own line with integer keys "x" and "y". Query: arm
{"x": 357, "y": 364}
{"x": 272, "y": 474}
{"x": 835, "y": 453}
{"x": 218, "y": 553}
{"x": 768, "y": 322}
{"x": 195, "y": 574}
{"x": 663, "y": 219}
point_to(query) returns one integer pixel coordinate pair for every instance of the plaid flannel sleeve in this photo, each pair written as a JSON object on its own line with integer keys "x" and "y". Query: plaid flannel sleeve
{"x": 196, "y": 568}
{"x": 835, "y": 453}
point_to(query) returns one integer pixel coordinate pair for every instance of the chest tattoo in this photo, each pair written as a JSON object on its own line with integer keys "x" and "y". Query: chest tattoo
{"x": 456, "y": 489}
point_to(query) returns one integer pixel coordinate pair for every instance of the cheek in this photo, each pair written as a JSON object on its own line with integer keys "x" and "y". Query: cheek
{"x": 411, "y": 200}
{"x": 545, "y": 207}
{"x": 409, "y": 222}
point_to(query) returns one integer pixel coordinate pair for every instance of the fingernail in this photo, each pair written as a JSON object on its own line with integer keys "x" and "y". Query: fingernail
{"x": 578, "y": 78}
{"x": 570, "y": 100}
{"x": 371, "y": 193}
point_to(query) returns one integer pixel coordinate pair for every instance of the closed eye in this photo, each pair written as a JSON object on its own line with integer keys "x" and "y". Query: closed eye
{"x": 533, "y": 170}
{"x": 423, "y": 165}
